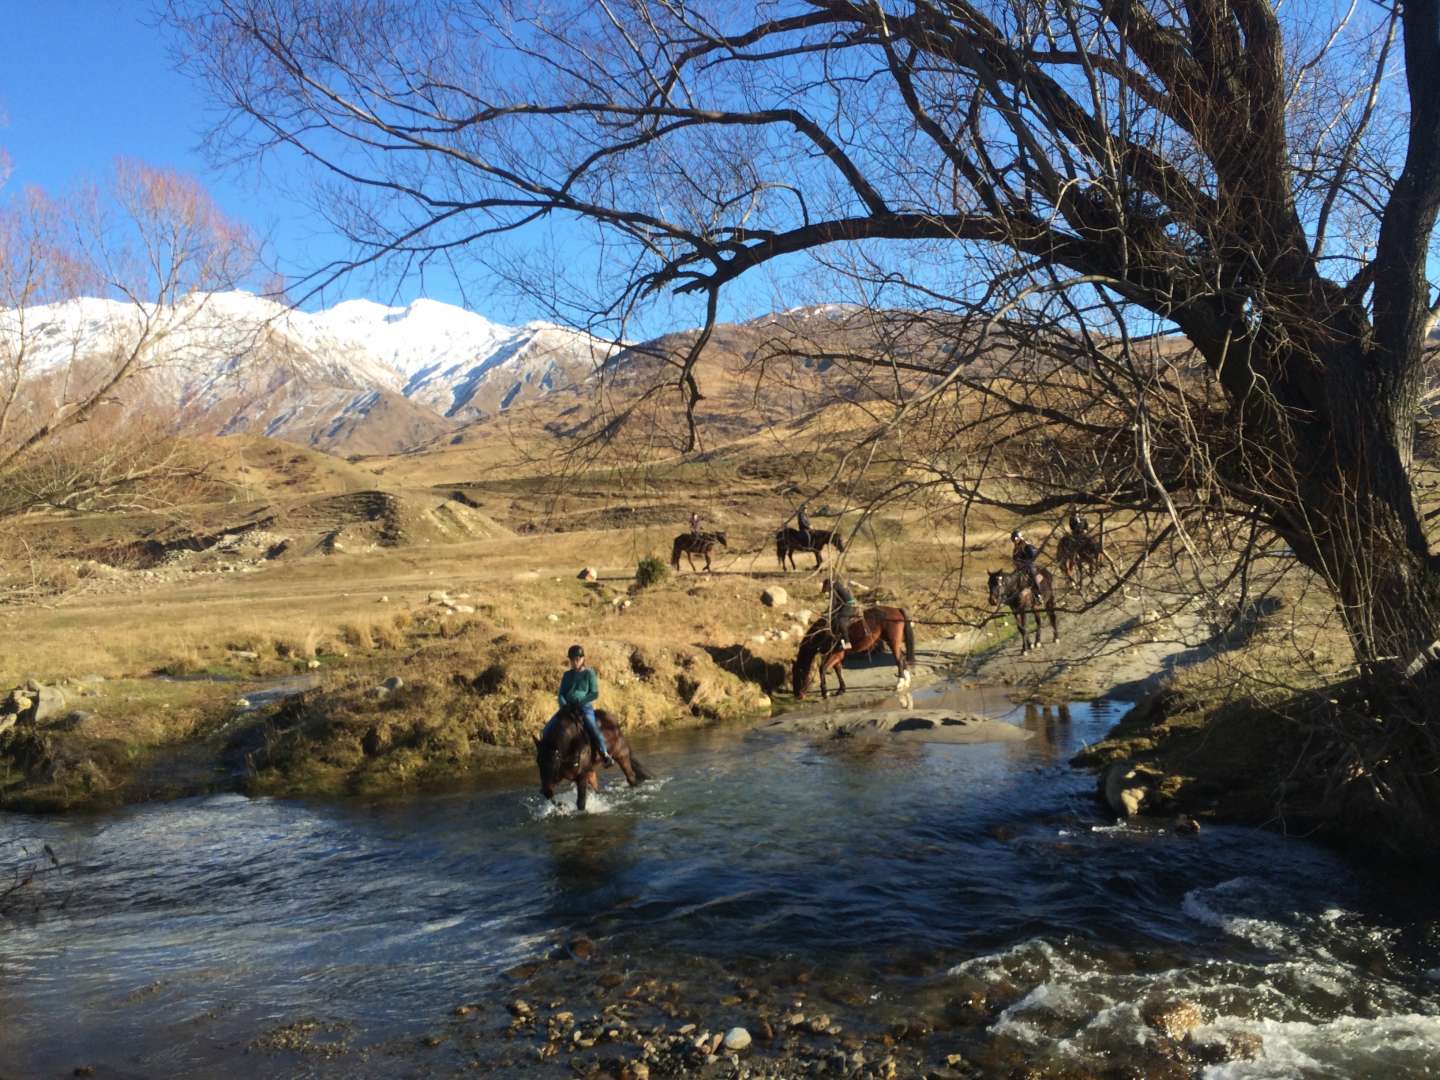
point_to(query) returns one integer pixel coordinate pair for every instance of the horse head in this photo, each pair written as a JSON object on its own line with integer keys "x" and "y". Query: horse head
{"x": 998, "y": 582}
{"x": 720, "y": 536}
{"x": 552, "y": 750}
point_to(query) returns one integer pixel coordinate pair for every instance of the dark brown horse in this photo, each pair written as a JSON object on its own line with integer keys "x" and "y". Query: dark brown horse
{"x": 695, "y": 544}
{"x": 788, "y": 541}
{"x": 1078, "y": 556}
{"x": 876, "y": 626}
{"x": 564, "y": 753}
{"x": 1013, "y": 588}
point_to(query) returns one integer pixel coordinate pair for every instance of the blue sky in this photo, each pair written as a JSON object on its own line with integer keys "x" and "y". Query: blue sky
{"x": 85, "y": 81}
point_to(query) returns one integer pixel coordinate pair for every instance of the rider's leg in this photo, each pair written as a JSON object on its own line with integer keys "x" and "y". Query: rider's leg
{"x": 588, "y": 712}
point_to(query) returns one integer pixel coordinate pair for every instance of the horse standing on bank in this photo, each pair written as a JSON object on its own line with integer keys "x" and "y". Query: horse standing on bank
{"x": 1015, "y": 589}
{"x": 691, "y": 544}
{"x": 875, "y": 627}
{"x": 564, "y": 753}
{"x": 788, "y": 541}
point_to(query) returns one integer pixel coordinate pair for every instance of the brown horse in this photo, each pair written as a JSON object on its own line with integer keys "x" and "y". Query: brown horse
{"x": 564, "y": 753}
{"x": 1013, "y": 588}
{"x": 1079, "y": 555}
{"x": 788, "y": 541}
{"x": 876, "y": 626}
{"x": 695, "y": 544}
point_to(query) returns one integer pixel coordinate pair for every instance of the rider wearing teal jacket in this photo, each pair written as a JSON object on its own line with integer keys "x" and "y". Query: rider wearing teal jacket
{"x": 579, "y": 687}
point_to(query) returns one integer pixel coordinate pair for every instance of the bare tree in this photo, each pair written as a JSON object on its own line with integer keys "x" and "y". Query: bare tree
{"x": 1206, "y": 223}
{"x": 98, "y": 290}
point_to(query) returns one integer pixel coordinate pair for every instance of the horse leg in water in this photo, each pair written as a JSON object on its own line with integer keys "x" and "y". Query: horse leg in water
{"x": 583, "y": 783}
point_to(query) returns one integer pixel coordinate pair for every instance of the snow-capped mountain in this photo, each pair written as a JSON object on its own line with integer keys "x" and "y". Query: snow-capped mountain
{"x": 358, "y": 376}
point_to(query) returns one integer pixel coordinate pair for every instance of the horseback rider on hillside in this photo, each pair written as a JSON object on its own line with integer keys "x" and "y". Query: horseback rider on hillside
{"x": 579, "y": 687}
{"x": 695, "y": 523}
{"x": 1079, "y": 524}
{"x": 802, "y": 524}
{"x": 843, "y": 609}
{"x": 1024, "y": 554}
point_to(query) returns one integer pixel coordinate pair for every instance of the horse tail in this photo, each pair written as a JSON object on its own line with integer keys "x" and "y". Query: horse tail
{"x": 780, "y": 547}
{"x": 675, "y": 552}
{"x": 909, "y": 638}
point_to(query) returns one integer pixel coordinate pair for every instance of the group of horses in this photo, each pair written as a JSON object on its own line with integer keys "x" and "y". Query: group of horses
{"x": 787, "y": 542}
{"x": 565, "y": 753}
{"x": 1028, "y": 592}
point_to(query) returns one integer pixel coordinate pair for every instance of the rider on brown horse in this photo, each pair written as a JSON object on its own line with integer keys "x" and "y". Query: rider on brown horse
{"x": 694, "y": 523}
{"x": 843, "y": 610}
{"x": 1079, "y": 525}
{"x": 802, "y": 523}
{"x": 1024, "y": 555}
{"x": 579, "y": 687}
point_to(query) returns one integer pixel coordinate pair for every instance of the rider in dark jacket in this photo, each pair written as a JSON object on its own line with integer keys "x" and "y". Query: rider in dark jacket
{"x": 1024, "y": 555}
{"x": 843, "y": 610}
{"x": 802, "y": 523}
{"x": 1079, "y": 526}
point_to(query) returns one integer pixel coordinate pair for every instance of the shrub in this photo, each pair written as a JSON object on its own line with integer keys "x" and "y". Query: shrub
{"x": 651, "y": 570}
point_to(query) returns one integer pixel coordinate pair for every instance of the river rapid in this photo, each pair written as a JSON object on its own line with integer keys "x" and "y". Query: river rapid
{"x": 863, "y": 908}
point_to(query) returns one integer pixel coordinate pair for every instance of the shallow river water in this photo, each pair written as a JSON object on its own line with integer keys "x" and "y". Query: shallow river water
{"x": 969, "y": 900}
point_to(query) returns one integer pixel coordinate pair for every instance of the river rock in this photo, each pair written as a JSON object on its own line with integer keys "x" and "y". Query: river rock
{"x": 736, "y": 1039}
{"x": 588, "y": 574}
{"x": 1121, "y": 789}
{"x": 774, "y": 596}
{"x": 393, "y": 683}
{"x": 1174, "y": 1019}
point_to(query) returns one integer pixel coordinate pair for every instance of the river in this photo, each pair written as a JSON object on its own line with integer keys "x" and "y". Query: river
{"x": 947, "y": 907}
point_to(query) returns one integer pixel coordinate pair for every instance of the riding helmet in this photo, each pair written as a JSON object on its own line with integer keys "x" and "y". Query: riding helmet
{"x": 575, "y": 650}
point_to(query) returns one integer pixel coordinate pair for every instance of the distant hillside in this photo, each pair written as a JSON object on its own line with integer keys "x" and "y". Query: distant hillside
{"x": 363, "y": 378}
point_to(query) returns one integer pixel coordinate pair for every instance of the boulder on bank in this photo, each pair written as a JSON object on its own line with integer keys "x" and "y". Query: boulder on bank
{"x": 775, "y": 596}
{"x": 1123, "y": 788}
{"x": 33, "y": 703}
{"x": 588, "y": 574}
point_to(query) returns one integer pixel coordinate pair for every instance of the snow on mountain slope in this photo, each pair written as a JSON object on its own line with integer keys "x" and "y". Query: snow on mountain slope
{"x": 234, "y": 361}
